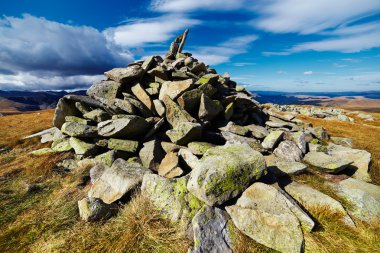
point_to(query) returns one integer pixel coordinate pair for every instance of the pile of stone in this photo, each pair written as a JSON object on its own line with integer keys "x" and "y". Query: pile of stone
{"x": 205, "y": 153}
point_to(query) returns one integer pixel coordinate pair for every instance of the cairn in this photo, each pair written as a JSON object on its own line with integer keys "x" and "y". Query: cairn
{"x": 203, "y": 151}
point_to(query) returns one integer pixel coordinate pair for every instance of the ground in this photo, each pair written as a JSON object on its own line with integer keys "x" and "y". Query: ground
{"x": 38, "y": 205}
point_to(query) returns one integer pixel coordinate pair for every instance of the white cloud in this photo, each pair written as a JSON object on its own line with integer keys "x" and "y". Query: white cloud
{"x": 281, "y": 72}
{"x": 337, "y": 65}
{"x": 307, "y": 17}
{"x": 192, "y": 5}
{"x": 309, "y": 72}
{"x": 152, "y": 30}
{"x": 224, "y": 51}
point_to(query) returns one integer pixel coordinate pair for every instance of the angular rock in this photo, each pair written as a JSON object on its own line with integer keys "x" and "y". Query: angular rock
{"x": 96, "y": 172}
{"x": 123, "y": 145}
{"x": 234, "y": 139}
{"x": 235, "y": 129}
{"x": 64, "y": 108}
{"x": 272, "y": 139}
{"x": 79, "y": 130}
{"x": 199, "y": 148}
{"x": 117, "y": 180}
{"x": 77, "y": 120}
{"x": 152, "y": 154}
{"x": 174, "y": 114}
{"x": 106, "y": 158}
{"x": 130, "y": 126}
{"x": 95, "y": 210}
{"x": 299, "y": 138}
{"x": 361, "y": 160}
{"x": 169, "y": 166}
{"x": 97, "y": 115}
{"x": 141, "y": 95}
{"x": 125, "y": 106}
{"x": 320, "y": 133}
{"x": 211, "y": 231}
{"x": 61, "y": 145}
{"x": 262, "y": 213}
{"x": 185, "y": 132}
{"x": 258, "y": 132}
{"x": 347, "y": 142}
{"x": 288, "y": 151}
{"x": 283, "y": 167}
{"x": 326, "y": 162}
{"x": 125, "y": 75}
{"x": 208, "y": 108}
{"x": 311, "y": 198}
{"x": 42, "y": 151}
{"x": 175, "y": 89}
{"x": 83, "y": 148}
{"x": 224, "y": 172}
{"x": 104, "y": 90}
{"x": 160, "y": 108}
{"x": 229, "y": 111}
{"x": 190, "y": 100}
{"x": 189, "y": 158}
{"x": 208, "y": 78}
{"x": 363, "y": 199}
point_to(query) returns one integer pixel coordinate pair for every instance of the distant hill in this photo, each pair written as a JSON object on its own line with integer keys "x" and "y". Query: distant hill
{"x": 14, "y": 102}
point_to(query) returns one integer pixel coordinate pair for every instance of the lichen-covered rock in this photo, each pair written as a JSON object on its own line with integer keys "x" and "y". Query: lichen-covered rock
{"x": 272, "y": 139}
{"x": 224, "y": 172}
{"x": 152, "y": 154}
{"x": 257, "y": 131}
{"x": 106, "y": 158}
{"x": 97, "y": 171}
{"x": 346, "y": 142}
{"x": 61, "y": 145}
{"x": 361, "y": 160}
{"x": 175, "y": 89}
{"x": 91, "y": 209}
{"x": 104, "y": 90}
{"x": 130, "y": 126}
{"x": 171, "y": 197}
{"x": 64, "y": 108}
{"x": 185, "y": 132}
{"x": 190, "y": 100}
{"x": 79, "y": 130}
{"x": 83, "y": 148}
{"x": 208, "y": 108}
{"x": 284, "y": 167}
{"x": 170, "y": 167}
{"x": 299, "y": 138}
{"x": 327, "y": 163}
{"x": 141, "y": 95}
{"x": 320, "y": 133}
{"x": 208, "y": 78}
{"x": 77, "y": 120}
{"x": 363, "y": 199}
{"x": 235, "y": 129}
{"x": 123, "y": 145}
{"x": 42, "y": 151}
{"x": 117, "y": 180}
{"x": 125, "y": 75}
{"x": 235, "y": 139}
{"x": 176, "y": 115}
{"x": 199, "y": 148}
{"x": 211, "y": 231}
{"x": 289, "y": 151}
{"x": 262, "y": 213}
{"x": 97, "y": 115}
{"x": 311, "y": 198}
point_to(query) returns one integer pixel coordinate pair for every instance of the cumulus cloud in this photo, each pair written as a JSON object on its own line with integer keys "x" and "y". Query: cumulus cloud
{"x": 142, "y": 32}
{"x": 224, "y": 51}
{"x": 188, "y": 6}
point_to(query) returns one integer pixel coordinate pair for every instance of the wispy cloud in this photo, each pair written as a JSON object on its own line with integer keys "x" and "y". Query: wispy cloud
{"x": 188, "y": 6}
{"x": 309, "y": 72}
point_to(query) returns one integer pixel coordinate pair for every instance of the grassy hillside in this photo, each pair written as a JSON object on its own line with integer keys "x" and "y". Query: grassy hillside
{"x": 38, "y": 206}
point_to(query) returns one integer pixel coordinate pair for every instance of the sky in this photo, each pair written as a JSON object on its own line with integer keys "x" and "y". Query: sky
{"x": 273, "y": 45}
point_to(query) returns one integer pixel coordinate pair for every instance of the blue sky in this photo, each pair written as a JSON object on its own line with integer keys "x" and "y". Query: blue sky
{"x": 281, "y": 45}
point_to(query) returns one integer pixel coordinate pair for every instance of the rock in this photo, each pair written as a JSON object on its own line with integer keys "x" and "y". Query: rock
{"x": 175, "y": 115}
{"x": 125, "y": 75}
{"x": 262, "y": 213}
{"x": 279, "y": 124}
{"x": 326, "y": 163}
{"x": 117, "y": 180}
{"x": 272, "y": 139}
{"x": 104, "y": 91}
{"x": 95, "y": 210}
{"x": 82, "y": 107}
{"x": 208, "y": 108}
{"x": 190, "y": 100}
{"x": 169, "y": 166}
{"x": 320, "y": 133}
{"x": 235, "y": 129}
{"x": 141, "y": 95}
{"x": 77, "y": 120}
{"x": 97, "y": 115}
{"x": 299, "y": 138}
{"x": 258, "y": 132}
{"x": 313, "y": 199}
{"x": 363, "y": 199}
{"x": 208, "y": 78}
{"x": 284, "y": 167}
{"x": 79, "y": 130}
{"x": 288, "y": 151}
{"x": 175, "y": 89}
{"x": 96, "y": 172}
{"x": 211, "y": 231}
{"x": 130, "y": 126}
{"x": 366, "y": 117}
{"x": 66, "y": 165}
{"x": 199, "y": 148}
{"x": 123, "y": 145}
{"x": 347, "y": 142}
{"x": 229, "y": 111}
{"x": 154, "y": 129}
{"x": 158, "y": 72}
{"x": 106, "y": 158}
{"x": 128, "y": 106}
{"x": 152, "y": 154}
{"x": 234, "y": 139}
{"x": 171, "y": 197}
{"x": 361, "y": 160}
{"x": 160, "y": 108}
{"x": 83, "y": 148}
{"x": 61, "y": 145}
{"x": 64, "y": 108}
{"x": 191, "y": 161}
{"x": 42, "y": 151}
{"x": 185, "y": 132}
{"x": 224, "y": 172}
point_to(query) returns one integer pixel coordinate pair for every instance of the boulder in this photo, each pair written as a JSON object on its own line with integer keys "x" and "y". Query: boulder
{"x": 262, "y": 213}
{"x": 346, "y": 142}
{"x": 96, "y": 172}
{"x": 97, "y": 115}
{"x": 175, "y": 89}
{"x": 208, "y": 78}
{"x": 61, "y": 145}
{"x": 106, "y": 158}
{"x": 79, "y": 130}
{"x": 141, "y": 95}
{"x": 77, "y": 120}
{"x": 151, "y": 154}
{"x": 174, "y": 114}
{"x": 123, "y": 145}
{"x": 117, "y": 180}
{"x": 185, "y": 132}
{"x": 289, "y": 151}
{"x": 130, "y": 126}
{"x": 190, "y": 100}
{"x": 83, "y": 148}
{"x": 326, "y": 163}
{"x": 299, "y": 138}
{"x": 235, "y": 129}
{"x": 208, "y": 108}
{"x": 199, "y": 148}
{"x": 224, "y": 172}
{"x": 159, "y": 106}
{"x": 272, "y": 139}
{"x": 235, "y": 139}
{"x": 104, "y": 91}
{"x": 211, "y": 231}
{"x": 189, "y": 158}
{"x": 257, "y": 131}
{"x": 170, "y": 167}
{"x": 91, "y": 209}
{"x": 64, "y": 108}
{"x": 125, "y": 75}
{"x": 284, "y": 167}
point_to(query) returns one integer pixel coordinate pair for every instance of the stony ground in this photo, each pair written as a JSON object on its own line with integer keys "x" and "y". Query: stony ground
{"x": 38, "y": 205}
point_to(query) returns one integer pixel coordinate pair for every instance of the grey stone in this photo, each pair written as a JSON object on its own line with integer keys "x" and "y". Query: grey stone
{"x": 91, "y": 210}
{"x": 235, "y": 129}
{"x": 152, "y": 154}
{"x": 199, "y": 148}
{"x": 175, "y": 89}
{"x": 169, "y": 166}
{"x": 289, "y": 151}
{"x": 175, "y": 115}
{"x": 347, "y": 142}
{"x": 106, "y": 158}
{"x": 64, "y": 108}
{"x": 61, "y": 145}
{"x": 117, "y": 180}
{"x": 209, "y": 108}
{"x": 257, "y": 131}
{"x": 96, "y": 172}
{"x": 272, "y": 139}
{"x": 97, "y": 115}
{"x": 144, "y": 98}
{"x": 125, "y": 75}
{"x": 185, "y": 132}
{"x": 104, "y": 90}
{"x": 160, "y": 108}
{"x": 83, "y": 148}
{"x": 326, "y": 162}
{"x": 79, "y": 130}
{"x": 190, "y": 100}
{"x": 123, "y": 145}
{"x": 128, "y": 127}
